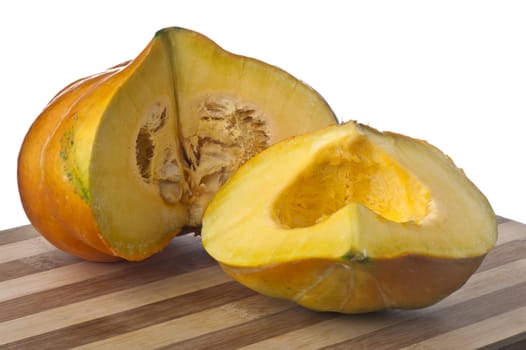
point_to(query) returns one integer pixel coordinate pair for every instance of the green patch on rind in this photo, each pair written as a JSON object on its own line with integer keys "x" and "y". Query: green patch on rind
{"x": 71, "y": 168}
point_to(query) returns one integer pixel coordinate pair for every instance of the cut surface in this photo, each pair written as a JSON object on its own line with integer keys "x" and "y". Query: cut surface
{"x": 348, "y": 191}
{"x": 192, "y": 114}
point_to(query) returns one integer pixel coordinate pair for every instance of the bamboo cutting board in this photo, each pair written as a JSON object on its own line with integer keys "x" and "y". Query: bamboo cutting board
{"x": 181, "y": 299}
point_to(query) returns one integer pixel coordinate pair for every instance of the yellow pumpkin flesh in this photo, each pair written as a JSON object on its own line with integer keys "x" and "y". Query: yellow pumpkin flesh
{"x": 354, "y": 221}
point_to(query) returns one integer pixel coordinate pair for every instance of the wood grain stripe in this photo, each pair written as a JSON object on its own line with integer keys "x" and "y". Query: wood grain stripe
{"x": 510, "y": 231}
{"x": 17, "y": 234}
{"x": 56, "y": 258}
{"x": 334, "y": 330}
{"x": 476, "y": 335}
{"x": 517, "y": 342}
{"x": 417, "y": 329}
{"x": 504, "y": 254}
{"x": 503, "y": 276}
{"x": 25, "y": 248}
{"x": 193, "y": 325}
{"x": 107, "y": 279}
{"x": 34, "y": 284}
{"x": 36, "y": 263}
{"x": 256, "y": 330}
{"x": 73, "y": 273}
{"x": 112, "y": 303}
{"x": 118, "y": 323}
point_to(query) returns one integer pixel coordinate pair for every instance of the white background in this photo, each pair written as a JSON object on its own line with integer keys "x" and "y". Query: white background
{"x": 450, "y": 72}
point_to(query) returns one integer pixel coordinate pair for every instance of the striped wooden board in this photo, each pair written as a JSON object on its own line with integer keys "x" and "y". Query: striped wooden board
{"x": 181, "y": 299}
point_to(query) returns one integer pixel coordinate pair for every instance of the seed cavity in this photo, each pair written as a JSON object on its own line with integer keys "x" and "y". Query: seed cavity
{"x": 228, "y": 133}
{"x": 157, "y": 155}
{"x": 191, "y": 169}
{"x": 144, "y": 149}
{"x": 352, "y": 170}
{"x": 145, "y": 142}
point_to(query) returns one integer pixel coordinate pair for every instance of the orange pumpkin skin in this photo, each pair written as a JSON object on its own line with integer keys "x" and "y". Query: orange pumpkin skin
{"x": 43, "y": 193}
{"x": 50, "y": 199}
{"x": 406, "y": 282}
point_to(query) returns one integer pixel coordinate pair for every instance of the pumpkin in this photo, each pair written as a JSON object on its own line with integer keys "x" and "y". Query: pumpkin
{"x": 355, "y": 220}
{"x": 120, "y": 162}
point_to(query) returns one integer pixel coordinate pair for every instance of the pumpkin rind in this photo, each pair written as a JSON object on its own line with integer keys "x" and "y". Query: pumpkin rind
{"x": 49, "y": 197}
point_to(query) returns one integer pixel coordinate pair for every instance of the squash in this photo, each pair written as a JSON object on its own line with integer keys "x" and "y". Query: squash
{"x": 354, "y": 221}
{"x": 120, "y": 162}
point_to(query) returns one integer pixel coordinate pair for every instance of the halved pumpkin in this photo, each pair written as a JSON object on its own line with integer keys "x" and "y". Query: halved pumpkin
{"x": 354, "y": 220}
{"x": 119, "y": 162}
